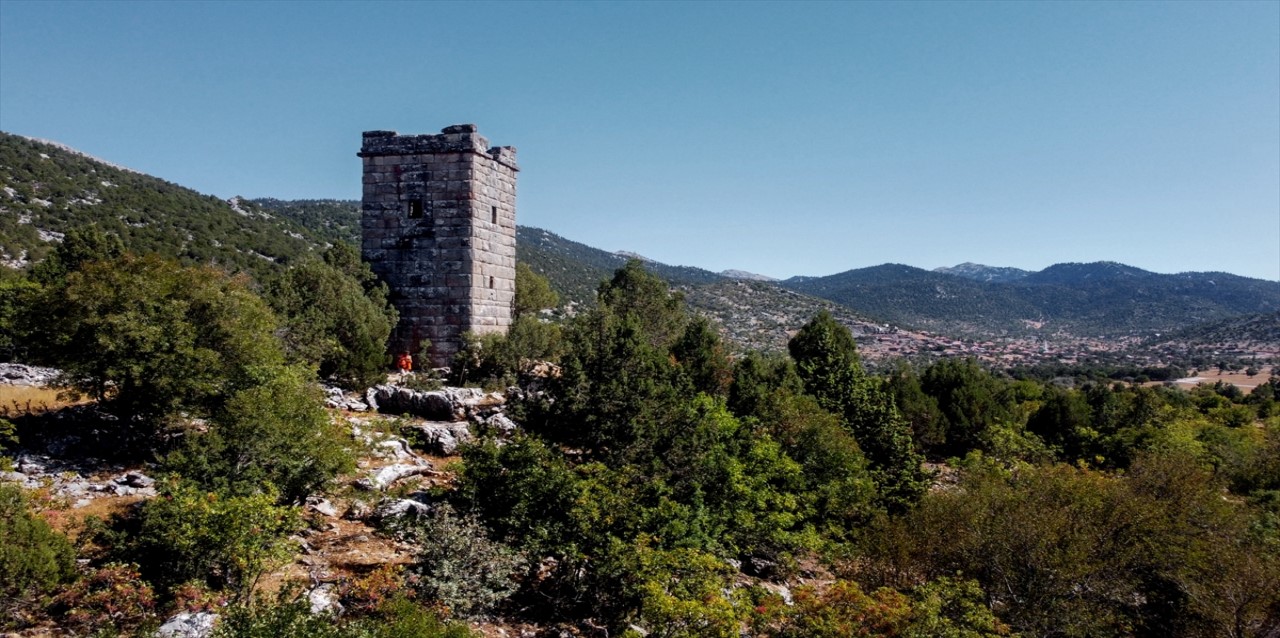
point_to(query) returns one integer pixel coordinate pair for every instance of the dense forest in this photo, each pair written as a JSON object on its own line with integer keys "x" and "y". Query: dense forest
{"x": 655, "y": 485}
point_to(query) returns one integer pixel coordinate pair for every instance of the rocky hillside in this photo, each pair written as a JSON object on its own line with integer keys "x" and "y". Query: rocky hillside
{"x": 46, "y": 189}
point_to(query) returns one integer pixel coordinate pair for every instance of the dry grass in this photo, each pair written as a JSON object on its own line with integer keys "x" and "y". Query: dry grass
{"x": 17, "y": 400}
{"x": 1241, "y": 380}
{"x": 70, "y": 521}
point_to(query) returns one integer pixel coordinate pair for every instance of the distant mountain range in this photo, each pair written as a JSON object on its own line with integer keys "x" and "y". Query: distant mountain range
{"x": 1103, "y": 298}
{"x": 45, "y": 190}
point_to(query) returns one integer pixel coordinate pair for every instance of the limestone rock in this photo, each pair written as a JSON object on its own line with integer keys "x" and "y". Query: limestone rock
{"x": 442, "y": 438}
{"x": 323, "y": 506}
{"x": 502, "y": 424}
{"x": 20, "y": 374}
{"x": 384, "y": 477}
{"x": 324, "y": 599}
{"x": 449, "y": 404}
{"x": 188, "y": 625}
{"x": 401, "y": 507}
{"x": 338, "y": 400}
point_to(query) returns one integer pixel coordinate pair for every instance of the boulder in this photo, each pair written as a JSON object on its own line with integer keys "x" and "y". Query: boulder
{"x": 324, "y": 599}
{"x": 138, "y": 479}
{"x": 393, "y": 449}
{"x": 442, "y": 438}
{"x": 323, "y": 506}
{"x": 384, "y": 477}
{"x": 501, "y": 424}
{"x": 188, "y": 625}
{"x": 395, "y": 508}
{"x": 337, "y": 399}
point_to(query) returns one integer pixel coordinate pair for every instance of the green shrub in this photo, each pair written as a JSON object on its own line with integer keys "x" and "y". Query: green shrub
{"x": 34, "y": 559}
{"x": 683, "y": 593}
{"x": 289, "y": 616}
{"x": 274, "y": 434}
{"x": 187, "y": 534}
{"x": 497, "y": 360}
{"x": 154, "y": 337}
{"x": 838, "y": 610}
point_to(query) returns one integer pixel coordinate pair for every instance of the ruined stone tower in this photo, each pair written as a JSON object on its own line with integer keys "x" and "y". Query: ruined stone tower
{"x": 439, "y": 226}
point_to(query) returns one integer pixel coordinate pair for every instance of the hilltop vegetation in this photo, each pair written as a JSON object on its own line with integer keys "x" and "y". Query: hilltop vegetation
{"x": 46, "y": 191}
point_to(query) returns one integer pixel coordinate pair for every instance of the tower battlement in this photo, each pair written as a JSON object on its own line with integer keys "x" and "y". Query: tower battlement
{"x": 438, "y": 226}
{"x": 460, "y": 138}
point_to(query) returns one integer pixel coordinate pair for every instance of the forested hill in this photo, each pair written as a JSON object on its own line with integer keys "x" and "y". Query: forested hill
{"x": 1235, "y": 333}
{"x": 1102, "y": 298}
{"x": 47, "y": 189}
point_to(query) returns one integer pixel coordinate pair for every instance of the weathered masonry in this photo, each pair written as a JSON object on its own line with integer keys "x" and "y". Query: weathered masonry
{"x": 439, "y": 226}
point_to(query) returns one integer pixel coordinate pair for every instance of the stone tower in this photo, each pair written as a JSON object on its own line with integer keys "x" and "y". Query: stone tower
{"x": 439, "y": 226}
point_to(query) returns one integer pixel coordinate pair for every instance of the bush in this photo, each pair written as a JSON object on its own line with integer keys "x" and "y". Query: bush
{"x": 289, "y": 616}
{"x": 154, "y": 337}
{"x": 683, "y": 593}
{"x": 187, "y": 534}
{"x": 34, "y": 558}
{"x": 497, "y": 360}
{"x": 1073, "y": 552}
{"x": 113, "y": 596}
{"x": 458, "y": 565}
{"x": 836, "y": 611}
{"x": 275, "y": 435}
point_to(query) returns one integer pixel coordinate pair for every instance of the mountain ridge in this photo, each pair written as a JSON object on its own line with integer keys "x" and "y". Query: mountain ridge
{"x": 45, "y": 189}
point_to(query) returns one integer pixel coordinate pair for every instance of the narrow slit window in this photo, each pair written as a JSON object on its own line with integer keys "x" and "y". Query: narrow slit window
{"x": 415, "y": 209}
{"x": 490, "y": 282}
{"x": 494, "y": 210}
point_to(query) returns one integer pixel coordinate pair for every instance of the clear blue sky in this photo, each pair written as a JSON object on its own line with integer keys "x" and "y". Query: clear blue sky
{"x": 783, "y": 138}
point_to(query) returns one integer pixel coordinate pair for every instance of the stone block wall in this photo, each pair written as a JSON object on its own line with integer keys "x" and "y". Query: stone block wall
{"x": 439, "y": 226}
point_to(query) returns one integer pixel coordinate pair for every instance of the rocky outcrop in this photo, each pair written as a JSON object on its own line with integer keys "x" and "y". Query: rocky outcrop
{"x": 449, "y": 404}
{"x": 188, "y": 625}
{"x": 384, "y": 477}
{"x": 79, "y": 482}
{"x": 337, "y": 399}
{"x": 20, "y": 374}
{"x": 395, "y": 508}
{"x": 441, "y": 438}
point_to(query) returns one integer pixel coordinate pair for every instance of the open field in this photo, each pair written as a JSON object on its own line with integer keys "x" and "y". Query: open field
{"x": 1239, "y": 379}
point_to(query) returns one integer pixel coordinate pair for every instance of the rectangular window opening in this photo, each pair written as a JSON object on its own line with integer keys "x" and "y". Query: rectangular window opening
{"x": 490, "y": 282}
{"x": 415, "y": 209}
{"x": 494, "y": 209}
